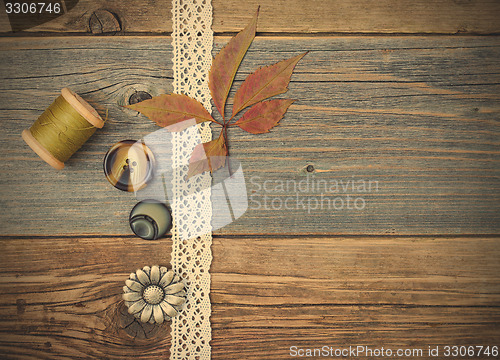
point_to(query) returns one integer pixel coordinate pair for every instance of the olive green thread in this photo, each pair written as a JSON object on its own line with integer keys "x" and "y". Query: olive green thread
{"x": 61, "y": 129}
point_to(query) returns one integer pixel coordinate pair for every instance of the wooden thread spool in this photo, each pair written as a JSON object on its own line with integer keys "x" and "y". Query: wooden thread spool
{"x": 62, "y": 128}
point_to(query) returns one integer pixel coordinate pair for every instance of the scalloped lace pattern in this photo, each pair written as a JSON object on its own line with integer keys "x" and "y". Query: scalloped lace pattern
{"x": 192, "y": 40}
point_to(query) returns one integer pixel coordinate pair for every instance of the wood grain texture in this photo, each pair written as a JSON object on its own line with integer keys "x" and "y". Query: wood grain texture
{"x": 417, "y": 115}
{"x": 290, "y": 16}
{"x": 61, "y": 296}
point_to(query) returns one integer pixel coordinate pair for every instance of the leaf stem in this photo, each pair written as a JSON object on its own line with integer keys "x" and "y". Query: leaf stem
{"x": 227, "y": 124}
{"x": 225, "y": 138}
{"x": 224, "y": 130}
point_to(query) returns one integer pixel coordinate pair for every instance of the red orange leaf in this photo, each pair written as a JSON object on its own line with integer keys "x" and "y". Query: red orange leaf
{"x": 264, "y": 116}
{"x": 207, "y": 156}
{"x": 173, "y": 110}
{"x": 226, "y": 63}
{"x": 265, "y": 83}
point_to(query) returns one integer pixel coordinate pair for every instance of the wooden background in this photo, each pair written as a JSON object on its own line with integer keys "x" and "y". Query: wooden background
{"x": 405, "y": 93}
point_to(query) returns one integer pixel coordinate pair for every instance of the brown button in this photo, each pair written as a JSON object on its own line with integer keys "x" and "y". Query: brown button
{"x": 128, "y": 165}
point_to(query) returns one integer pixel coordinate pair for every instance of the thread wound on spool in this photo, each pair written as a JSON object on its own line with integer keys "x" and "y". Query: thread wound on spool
{"x": 62, "y": 128}
{"x": 41, "y": 151}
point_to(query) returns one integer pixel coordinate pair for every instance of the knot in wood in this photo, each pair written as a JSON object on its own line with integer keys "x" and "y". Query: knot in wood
{"x": 139, "y": 96}
{"x": 104, "y": 22}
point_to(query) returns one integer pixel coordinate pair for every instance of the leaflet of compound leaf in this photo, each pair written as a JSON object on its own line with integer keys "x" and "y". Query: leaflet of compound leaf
{"x": 172, "y": 110}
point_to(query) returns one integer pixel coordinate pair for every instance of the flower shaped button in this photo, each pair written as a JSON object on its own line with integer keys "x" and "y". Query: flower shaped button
{"x": 154, "y": 294}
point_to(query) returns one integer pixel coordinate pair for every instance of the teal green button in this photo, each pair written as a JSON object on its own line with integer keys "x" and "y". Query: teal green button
{"x": 150, "y": 219}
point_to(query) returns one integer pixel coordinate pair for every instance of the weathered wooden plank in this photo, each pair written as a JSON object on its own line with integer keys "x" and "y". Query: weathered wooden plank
{"x": 61, "y": 296}
{"x": 415, "y": 117}
{"x": 362, "y": 16}
{"x": 325, "y": 271}
{"x": 63, "y": 302}
{"x": 278, "y": 333}
{"x": 260, "y": 333}
{"x": 291, "y": 16}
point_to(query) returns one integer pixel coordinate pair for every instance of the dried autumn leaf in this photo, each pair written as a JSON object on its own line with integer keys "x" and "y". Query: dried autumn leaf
{"x": 264, "y": 116}
{"x": 173, "y": 110}
{"x": 207, "y": 156}
{"x": 264, "y": 83}
{"x": 226, "y": 63}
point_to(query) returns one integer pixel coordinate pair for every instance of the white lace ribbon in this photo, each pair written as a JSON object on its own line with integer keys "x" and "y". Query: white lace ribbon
{"x": 192, "y": 40}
